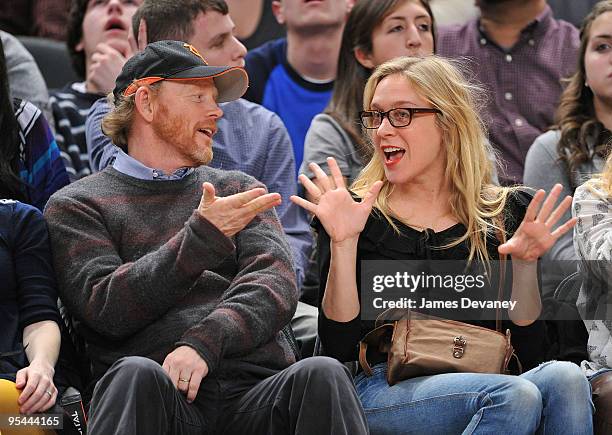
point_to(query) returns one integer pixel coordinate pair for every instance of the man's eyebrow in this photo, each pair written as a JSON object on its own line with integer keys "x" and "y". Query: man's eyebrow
{"x": 215, "y": 91}
{"x": 220, "y": 38}
{"x": 402, "y": 18}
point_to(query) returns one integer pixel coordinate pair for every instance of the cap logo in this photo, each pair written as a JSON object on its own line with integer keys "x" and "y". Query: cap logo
{"x": 194, "y": 51}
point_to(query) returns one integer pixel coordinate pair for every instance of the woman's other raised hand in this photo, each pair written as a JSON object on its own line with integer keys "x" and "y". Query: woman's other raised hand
{"x": 536, "y": 234}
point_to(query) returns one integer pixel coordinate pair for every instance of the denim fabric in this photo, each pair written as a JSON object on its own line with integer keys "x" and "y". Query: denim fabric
{"x": 598, "y": 373}
{"x": 553, "y": 398}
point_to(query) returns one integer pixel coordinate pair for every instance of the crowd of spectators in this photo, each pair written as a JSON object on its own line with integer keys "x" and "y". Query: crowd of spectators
{"x": 194, "y": 214}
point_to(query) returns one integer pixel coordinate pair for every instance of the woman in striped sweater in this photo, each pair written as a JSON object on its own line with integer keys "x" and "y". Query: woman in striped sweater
{"x": 31, "y": 169}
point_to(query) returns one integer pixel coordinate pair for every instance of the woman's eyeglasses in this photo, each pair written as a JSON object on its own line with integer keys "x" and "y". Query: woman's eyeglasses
{"x": 399, "y": 117}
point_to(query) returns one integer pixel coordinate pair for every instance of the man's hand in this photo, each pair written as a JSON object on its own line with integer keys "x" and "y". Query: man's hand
{"x": 186, "y": 369}
{"x": 232, "y": 213}
{"x": 106, "y": 64}
{"x": 38, "y": 393}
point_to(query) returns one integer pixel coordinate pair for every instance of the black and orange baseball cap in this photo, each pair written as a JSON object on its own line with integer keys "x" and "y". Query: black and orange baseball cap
{"x": 177, "y": 60}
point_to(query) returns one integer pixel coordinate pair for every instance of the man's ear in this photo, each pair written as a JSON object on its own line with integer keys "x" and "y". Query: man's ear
{"x": 365, "y": 59}
{"x": 145, "y": 102}
{"x": 80, "y": 46}
{"x": 277, "y": 10}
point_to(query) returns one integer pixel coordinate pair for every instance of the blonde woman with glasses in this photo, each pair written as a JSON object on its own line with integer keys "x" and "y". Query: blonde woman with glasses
{"x": 427, "y": 194}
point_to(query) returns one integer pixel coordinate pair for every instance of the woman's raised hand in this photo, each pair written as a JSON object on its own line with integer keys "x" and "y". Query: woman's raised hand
{"x": 535, "y": 235}
{"x": 341, "y": 216}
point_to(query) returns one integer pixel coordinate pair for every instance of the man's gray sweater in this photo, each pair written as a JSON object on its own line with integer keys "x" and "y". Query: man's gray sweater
{"x": 142, "y": 272}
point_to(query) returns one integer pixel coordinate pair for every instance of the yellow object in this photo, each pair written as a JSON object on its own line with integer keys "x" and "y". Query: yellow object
{"x": 8, "y": 405}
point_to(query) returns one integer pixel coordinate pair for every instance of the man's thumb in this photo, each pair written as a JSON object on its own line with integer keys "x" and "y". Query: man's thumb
{"x": 209, "y": 194}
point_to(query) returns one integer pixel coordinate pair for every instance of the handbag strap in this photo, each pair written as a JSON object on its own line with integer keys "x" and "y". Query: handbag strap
{"x": 501, "y": 236}
{"x": 363, "y": 360}
{"x": 518, "y": 362}
{"x": 373, "y": 337}
{"x": 376, "y": 334}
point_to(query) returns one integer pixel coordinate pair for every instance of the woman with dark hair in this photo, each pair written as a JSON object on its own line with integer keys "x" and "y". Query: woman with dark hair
{"x": 376, "y": 31}
{"x": 31, "y": 169}
{"x": 578, "y": 145}
{"x": 29, "y": 317}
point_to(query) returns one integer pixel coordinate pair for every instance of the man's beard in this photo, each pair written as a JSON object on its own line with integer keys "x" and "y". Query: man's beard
{"x": 174, "y": 131}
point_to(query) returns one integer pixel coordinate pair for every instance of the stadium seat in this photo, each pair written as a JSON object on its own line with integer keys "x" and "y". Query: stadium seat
{"x": 53, "y": 60}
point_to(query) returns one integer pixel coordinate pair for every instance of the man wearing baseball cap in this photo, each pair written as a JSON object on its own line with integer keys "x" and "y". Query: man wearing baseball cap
{"x": 179, "y": 276}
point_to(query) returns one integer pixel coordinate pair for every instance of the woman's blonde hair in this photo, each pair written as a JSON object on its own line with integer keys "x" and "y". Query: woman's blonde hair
{"x": 602, "y": 183}
{"x": 475, "y": 201}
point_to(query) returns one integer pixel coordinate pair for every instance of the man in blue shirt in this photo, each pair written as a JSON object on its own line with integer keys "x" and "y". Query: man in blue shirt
{"x": 249, "y": 138}
{"x": 294, "y": 76}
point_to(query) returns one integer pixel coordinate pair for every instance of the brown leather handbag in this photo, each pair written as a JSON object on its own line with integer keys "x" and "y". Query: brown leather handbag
{"x": 419, "y": 345}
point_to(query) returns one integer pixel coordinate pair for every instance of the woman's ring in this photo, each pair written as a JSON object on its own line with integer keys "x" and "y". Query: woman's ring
{"x": 183, "y": 380}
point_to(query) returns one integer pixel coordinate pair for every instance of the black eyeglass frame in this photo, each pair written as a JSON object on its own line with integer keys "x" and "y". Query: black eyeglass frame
{"x": 411, "y": 110}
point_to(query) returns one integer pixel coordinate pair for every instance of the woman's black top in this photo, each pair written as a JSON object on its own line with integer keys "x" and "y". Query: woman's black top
{"x": 27, "y": 282}
{"x": 379, "y": 241}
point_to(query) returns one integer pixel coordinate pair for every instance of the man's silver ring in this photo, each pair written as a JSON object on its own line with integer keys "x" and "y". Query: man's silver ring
{"x": 49, "y": 393}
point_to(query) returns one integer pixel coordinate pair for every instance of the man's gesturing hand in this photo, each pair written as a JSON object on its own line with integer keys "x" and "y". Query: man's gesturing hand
{"x": 232, "y": 213}
{"x": 186, "y": 369}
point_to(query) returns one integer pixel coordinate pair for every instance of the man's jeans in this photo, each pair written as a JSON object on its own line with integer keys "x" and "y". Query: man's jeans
{"x": 554, "y": 398}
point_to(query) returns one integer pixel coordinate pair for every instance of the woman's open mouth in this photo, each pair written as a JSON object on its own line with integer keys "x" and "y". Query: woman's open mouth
{"x": 392, "y": 154}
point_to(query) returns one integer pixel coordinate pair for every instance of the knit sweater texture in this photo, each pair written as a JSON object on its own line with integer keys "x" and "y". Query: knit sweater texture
{"x": 143, "y": 273}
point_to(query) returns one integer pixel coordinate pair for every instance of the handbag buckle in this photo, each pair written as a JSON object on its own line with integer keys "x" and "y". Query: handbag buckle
{"x": 459, "y": 346}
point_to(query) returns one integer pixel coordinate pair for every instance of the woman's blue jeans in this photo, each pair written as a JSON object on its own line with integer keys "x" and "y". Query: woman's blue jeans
{"x": 554, "y": 398}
